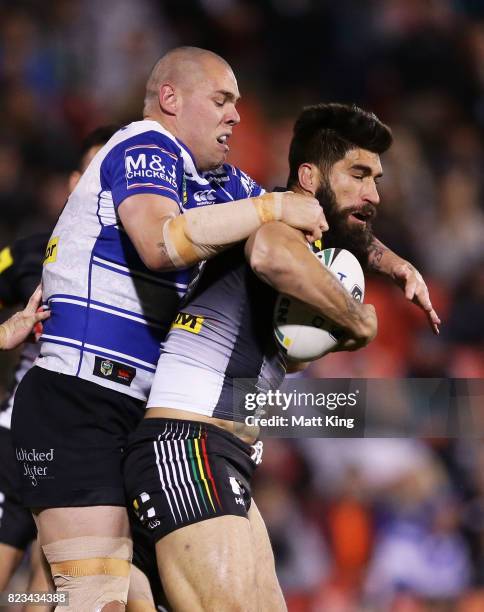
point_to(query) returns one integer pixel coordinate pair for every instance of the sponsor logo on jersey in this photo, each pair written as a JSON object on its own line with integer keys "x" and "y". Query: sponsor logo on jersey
{"x": 184, "y": 190}
{"x": 219, "y": 175}
{"x": 150, "y": 166}
{"x": 188, "y": 322}
{"x": 6, "y": 259}
{"x": 247, "y": 183}
{"x": 51, "y": 250}
{"x": 206, "y": 196}
{"x": 113, "y": 370}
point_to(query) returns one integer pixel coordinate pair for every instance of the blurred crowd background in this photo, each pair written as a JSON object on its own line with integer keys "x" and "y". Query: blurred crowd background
{"x": 388, "y": 524}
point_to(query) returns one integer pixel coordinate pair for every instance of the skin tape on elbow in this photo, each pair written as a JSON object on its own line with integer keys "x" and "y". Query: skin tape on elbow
{"x": 189, "y": 238}
{"x": 93, "y": 570}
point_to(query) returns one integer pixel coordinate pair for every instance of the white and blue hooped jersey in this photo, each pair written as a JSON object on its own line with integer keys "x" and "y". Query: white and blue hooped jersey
{"x": 110, "y": 313}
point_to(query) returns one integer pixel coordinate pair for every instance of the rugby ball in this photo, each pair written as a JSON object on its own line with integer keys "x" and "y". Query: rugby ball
{"x": 302, "y": 333}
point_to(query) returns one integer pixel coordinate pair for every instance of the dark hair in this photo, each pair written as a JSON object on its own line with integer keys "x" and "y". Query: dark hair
{"x": 324, "y": 133}
{"x": 97, "y": 137}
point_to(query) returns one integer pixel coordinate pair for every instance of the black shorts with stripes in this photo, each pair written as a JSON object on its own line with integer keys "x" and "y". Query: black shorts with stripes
{"x": 181, "y": 472}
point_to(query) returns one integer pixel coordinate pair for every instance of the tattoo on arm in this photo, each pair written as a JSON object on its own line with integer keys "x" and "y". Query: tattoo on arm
{"x": 376, "y": 250}
{"x": 352, "y": 306}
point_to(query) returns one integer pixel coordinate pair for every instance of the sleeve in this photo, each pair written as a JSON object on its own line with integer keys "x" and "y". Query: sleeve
{"x": 21, "y": 269}
{"x": 244, "y": 186}
{"x": 146, "y": 163}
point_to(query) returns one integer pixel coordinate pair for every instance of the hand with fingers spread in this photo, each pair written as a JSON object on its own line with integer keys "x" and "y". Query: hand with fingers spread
{"x": 412, "y": 283}
{"x": 19, "y": 326}
{"x": 304, "y": 213}
{"x": 383, "y": 260}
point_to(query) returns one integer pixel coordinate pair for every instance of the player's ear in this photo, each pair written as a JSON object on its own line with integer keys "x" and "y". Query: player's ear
{"x": 309, "y": 177}
{"x": 169, "y": 99}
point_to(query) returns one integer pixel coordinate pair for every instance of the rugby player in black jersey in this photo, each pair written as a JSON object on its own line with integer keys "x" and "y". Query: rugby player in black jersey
{"x": 187, "y": 474}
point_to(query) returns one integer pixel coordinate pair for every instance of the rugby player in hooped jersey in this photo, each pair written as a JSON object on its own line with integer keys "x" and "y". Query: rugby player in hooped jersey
{"x": 188, "y": 468}
{"x": 116, "y": 266}
{"x": 20, "y": 272}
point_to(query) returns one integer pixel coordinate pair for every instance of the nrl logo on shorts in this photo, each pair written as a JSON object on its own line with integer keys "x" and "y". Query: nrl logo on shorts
{"x": 106, "y": 367}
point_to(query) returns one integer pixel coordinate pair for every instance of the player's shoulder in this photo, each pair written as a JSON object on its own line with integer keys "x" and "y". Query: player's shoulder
{"x": 235, "y": 179}
{"x": 145, "y": 136}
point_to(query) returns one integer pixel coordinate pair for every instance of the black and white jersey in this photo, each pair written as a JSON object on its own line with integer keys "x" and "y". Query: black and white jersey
{"x": 223, "y": 332}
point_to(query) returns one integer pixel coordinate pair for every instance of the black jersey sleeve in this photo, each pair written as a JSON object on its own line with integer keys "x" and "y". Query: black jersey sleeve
{"x": 21, "y": 269}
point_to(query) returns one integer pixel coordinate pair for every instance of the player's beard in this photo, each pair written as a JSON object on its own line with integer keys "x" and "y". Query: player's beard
{"x": 355, "y": 239}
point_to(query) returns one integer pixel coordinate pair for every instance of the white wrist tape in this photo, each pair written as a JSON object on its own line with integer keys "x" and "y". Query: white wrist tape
{"x": 200, "y": 233}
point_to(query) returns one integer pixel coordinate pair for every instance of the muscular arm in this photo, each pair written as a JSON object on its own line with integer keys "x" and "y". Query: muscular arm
{"x": 280, "y": 257}
{"x": 407, "y": 277}
{"x": 166, "y": 240}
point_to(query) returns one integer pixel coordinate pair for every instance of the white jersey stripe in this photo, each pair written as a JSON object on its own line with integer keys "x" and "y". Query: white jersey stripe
{"x": 68, "y": 301}
{"x": 93, "y": 347}
{"x": 61, "y": 339}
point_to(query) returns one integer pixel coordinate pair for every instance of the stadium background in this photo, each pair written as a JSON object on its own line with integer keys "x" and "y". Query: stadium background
{"x": 389, "y": 524}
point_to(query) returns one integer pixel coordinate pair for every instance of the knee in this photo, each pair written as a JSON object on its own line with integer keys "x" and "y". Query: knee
{"x": 92, "y": 571}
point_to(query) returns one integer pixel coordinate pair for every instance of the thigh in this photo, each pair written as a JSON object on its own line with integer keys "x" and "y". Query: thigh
{"x": 270, "y": 596}
{"x": 65, "y": 523}
{"x": 144, "y": 565}
{"x": 190, "y": 487}
{"x": 209, "y": 566}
